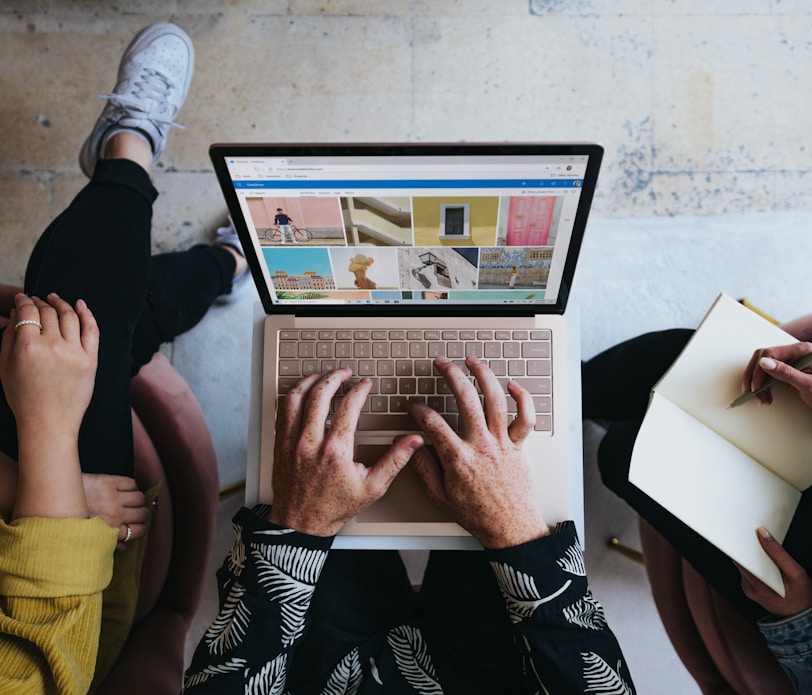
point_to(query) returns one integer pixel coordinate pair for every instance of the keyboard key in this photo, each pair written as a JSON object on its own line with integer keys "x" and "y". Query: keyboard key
{"x": 539, "y": 368}
{"x": 531, "y": 350}
{"x": 542, "y": 385}
{"x": 544, "y": 423}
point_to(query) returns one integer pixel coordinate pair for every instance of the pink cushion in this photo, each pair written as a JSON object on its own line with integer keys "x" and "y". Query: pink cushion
{"x": 172, "y": 416}
{"x": 148, "y": 472}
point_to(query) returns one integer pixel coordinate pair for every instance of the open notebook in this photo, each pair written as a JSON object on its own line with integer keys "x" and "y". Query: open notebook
{"x": 726, "y": 471}
{"x": 382, "y": 257}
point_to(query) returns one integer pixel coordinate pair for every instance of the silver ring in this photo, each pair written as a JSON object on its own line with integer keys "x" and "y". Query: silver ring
{"x": 28, "y": 322}
{"x": 129, "y": 533}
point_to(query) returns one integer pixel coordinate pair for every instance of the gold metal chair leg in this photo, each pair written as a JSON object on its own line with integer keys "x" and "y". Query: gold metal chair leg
{"x": 615, "y": 544}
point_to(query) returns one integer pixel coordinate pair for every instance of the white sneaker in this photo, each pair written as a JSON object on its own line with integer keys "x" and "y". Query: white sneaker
{"x": 153, "y": 80}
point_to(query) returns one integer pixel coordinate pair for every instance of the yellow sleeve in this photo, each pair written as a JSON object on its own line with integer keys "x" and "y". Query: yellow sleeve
{"x": 52, "y": 573}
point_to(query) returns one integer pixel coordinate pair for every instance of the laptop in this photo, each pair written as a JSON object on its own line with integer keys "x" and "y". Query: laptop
{"x": 381, "y": 257}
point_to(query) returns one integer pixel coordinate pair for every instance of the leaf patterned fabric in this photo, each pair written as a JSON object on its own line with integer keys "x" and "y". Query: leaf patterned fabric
{"x": 268, "y": 581}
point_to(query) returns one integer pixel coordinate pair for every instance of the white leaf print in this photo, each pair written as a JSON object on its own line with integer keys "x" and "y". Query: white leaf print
{"x": 270, "y": 679}
{"x": 229, "y": 627}
{"x": 346, "y": 677}
{"x": 586, "y": 613}
{"x": 602, "y": 678}
{"x": 413, "y": 659}
{"x": 573, "y": 561}
{"x": 289, "y": 577}
{"x": 236, "y": 558}
{"x": 520, "y": 591}
{"x": 230, "y": 666}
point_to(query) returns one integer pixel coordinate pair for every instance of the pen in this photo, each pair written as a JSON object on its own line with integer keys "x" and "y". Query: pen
{"x": 801, "y": 363}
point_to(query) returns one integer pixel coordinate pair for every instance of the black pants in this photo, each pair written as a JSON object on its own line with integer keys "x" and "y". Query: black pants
{"x": 460, "y": 611}
{"x": 616, "y": 386}
{"x": 99, "y": 250}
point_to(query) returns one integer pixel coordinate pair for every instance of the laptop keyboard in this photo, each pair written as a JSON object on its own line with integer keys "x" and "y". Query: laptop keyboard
{"x": 400, "y": 365}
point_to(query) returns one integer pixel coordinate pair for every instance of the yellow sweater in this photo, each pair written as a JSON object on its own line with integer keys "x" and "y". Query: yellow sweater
{"x": 52, "y": 573}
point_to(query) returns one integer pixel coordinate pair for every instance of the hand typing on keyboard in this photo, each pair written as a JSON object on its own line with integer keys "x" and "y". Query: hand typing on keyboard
{"x": 477, "y": 474}
{"x": 318, "y": 486}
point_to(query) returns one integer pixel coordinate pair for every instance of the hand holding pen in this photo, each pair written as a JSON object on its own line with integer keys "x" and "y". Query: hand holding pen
{"x": 769, "y": 366}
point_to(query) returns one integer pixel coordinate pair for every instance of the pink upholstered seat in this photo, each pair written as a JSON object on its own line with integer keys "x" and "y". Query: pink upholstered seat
{"x": 725, "y": 654}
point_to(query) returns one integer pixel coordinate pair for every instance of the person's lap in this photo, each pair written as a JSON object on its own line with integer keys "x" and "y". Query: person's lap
{"x": 459, "y": 610}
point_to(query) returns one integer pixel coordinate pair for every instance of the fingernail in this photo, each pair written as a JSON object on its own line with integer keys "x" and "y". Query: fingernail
{"x": 442, "y": 359}
{"x": 473, "y": 359}
{"x": 764, "y": 533}
{"x": 767, "y": 363}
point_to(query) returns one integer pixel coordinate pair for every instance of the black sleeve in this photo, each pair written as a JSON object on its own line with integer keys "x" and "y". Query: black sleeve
{"x": 559, "y": 627}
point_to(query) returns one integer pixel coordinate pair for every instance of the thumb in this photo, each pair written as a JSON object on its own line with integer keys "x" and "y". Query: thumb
{"x": 785, "y": 562}
{"x": 394, "y": 460}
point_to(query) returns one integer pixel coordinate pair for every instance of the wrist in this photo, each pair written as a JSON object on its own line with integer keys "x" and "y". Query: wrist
{"x": 512, "y": 535}
{"x": 301, "y": 523}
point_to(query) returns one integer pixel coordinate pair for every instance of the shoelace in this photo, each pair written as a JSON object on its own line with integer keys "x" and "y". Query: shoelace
{"x": 150, "y": 86}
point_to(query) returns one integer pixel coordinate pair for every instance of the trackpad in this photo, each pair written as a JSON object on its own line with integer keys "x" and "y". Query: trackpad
{"x": 405, "y": 501}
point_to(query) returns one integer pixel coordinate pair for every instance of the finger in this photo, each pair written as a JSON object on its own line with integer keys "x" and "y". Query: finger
{"x": 430, "y": 472}
{"x": 525, "y": 420}
{"x": 47, "y": 317}
{"x": 136, "y": 515}
{"x": 345, "y": 418}
{"x": 495, "y": 403}
{"x": 89, "y": 328}
{"x": 320, "y": 397}
{"x": 23, "y": 301}
{"x": 749, "y": 371}
{"x": 291, "y": 413}
{"x": 132, "y": 498}
{"x": 786, "y": 373}
{"x": 67, "y": 318}
{"x": 785, "y": 562}
{"x": 780, "y": 353}
{"x": 468, "y": 405}
{"x": 137, "y": 531}
{"x": 25, "y": 310}
{"x": 432, "y": 423}
{"x": 381, "y": 475}
{"x": 124, "y": 483}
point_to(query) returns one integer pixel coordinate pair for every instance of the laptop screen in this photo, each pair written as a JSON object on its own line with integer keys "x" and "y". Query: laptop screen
{"x": 405, "y": 226}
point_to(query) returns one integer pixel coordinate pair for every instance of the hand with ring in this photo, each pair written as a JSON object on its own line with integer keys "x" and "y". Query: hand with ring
{"x": 48, "y": 376}
{"x": 117, "y": 500}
